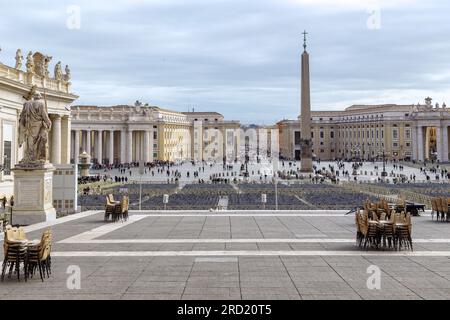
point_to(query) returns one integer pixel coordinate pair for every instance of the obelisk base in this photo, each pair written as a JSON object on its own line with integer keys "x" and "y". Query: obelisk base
{"x": 33, "y": 195}
{"x": 306, "y": 156}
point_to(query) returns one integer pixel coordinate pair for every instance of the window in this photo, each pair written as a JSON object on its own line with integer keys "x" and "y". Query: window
{"x": 297, "y": 137}
{"x": 395, "y": 144}
{"x": 155, "y": 135}
{"x": 312, "y": 134}
{"x": 332, "y": 134}
{"x": 321, "y": 134}
{"x": 7, "y": 148}
{"x": 408, "y": 134}
{"x": 395, "y": 134}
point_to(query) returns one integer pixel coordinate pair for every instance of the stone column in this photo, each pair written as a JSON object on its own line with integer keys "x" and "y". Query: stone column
{"x": 147, "y": 146}
{"x": 439, "y": 143}
{"x": 137, "y": 146}
{"x": 150, "y": 145}
{"x": 66, "y": 139}
{"x": 88, "y": 142}
{"x": 445, "y": 143}
{"x": 76, "y": 148}
{"x": 414, "y": 143}
{"x": 129, "y": 145}
{"x": 56, "y": 139}
{"x": 123, "y": 150}
{"x": 111, "y": 146}
{"x": 420, "y": 153}
{"x": 99, "y": 146}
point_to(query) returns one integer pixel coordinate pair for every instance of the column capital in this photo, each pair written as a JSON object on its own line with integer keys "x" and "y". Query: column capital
{"x": 55, "y": 116}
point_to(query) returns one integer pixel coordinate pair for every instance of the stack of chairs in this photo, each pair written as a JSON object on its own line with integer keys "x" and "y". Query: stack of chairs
{"x": 30, "y": 254}
{"x": 117, "y": 210}
{"x": 39, "y": 256}
{"x": 439, "y": 206}
{"x": 15, "y": 251}
{"x": 376, "y": 228}
{"x": 111, "y": 206}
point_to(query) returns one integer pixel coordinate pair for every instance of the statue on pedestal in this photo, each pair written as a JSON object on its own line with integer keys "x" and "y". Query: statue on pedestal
{"x": 58, "y": 71}
{"x": 19, "y": 59}
{"x": 30, "y": 63}
{"x": 67, "y": 76}
{"x": 46, "y": 63}
{"x": 34, "y": 125}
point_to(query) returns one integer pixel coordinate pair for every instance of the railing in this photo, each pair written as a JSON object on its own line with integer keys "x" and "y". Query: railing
{"x": 390, "y": 194}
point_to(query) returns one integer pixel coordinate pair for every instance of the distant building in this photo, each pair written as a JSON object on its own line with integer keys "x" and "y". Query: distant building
{"x": 409, "y": 132}
{"x": 126, "y": 134}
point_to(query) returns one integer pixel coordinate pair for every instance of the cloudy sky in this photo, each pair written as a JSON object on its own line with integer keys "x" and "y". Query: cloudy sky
{"x": 240, "y": 58}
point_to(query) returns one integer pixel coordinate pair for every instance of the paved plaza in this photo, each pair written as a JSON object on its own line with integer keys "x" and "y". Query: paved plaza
{"x": 260, "y": 170}
{"x": 233, "y": 255}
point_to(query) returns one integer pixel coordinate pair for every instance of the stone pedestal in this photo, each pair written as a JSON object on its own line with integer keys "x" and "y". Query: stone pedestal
{"x": 306, "y": 156}
{"x": 33, "y": 195}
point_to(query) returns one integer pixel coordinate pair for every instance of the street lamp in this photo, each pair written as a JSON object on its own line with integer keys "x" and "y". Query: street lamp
{"x": 384, "y": 173}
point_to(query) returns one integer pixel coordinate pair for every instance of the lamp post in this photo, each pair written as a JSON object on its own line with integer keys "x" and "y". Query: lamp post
{"x": 384, "y": 173}
{"x": 246, "y": 166}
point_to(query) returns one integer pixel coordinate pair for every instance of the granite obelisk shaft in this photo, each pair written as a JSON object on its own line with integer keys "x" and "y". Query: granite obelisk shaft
{"x": 306, "y": 143}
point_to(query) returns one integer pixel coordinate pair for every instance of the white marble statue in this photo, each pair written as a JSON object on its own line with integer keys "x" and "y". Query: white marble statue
{"x": 34, "y": 125}
{"x": 67, "y": 76}
{"x": 45, "y": 65}
{"x": 19, "y": 59}
{"x": 30, "y": 62}
{"x": 58, "y": 71}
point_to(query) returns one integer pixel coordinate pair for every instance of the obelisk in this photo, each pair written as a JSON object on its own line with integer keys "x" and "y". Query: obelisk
{"x": 305, "y": 113}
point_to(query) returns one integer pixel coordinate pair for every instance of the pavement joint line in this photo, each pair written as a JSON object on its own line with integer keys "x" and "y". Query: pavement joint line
{"x": 85, "y": 240}
{"x": 222, "y": 260}
{"x": 307, "y": 213}
{"x": 46, "y": 224}
{"x": 101, "y": 231}
{"x": 223, "y": 253}
{"x": 394, "y": 278}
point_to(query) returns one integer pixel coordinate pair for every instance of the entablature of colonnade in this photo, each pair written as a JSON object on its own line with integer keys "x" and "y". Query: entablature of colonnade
{"x": 432, "y": 117}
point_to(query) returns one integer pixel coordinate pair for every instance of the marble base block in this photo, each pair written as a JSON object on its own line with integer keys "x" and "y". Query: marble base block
{"x": 33, "y": 195}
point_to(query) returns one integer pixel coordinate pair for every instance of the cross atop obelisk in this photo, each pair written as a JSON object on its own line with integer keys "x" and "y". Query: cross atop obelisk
{"x": 305, "y": 112}
{"x": 304, "y": 40}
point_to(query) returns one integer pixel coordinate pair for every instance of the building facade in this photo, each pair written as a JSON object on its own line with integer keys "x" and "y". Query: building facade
{"x": 126, "y": 134}
{"x": 15, "y": 84}
{"x": 401, "y": 132}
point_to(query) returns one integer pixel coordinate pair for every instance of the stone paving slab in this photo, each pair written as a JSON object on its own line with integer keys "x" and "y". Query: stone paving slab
{"x": 319, "y": 269}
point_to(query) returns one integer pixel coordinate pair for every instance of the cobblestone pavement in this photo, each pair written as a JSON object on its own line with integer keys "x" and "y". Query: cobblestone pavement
{"x": 233, "y": 255}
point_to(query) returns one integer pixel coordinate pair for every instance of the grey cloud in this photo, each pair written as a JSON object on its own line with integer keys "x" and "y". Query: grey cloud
{"x": 239, "y": 58}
